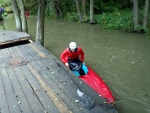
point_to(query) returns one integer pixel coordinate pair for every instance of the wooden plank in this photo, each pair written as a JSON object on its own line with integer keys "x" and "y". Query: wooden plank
{"x": 61, "y": 106}
{"x": 12, "y": 36}
{"x": 65, "y": 89}
{"x": 27, "y": 54}
{"x": 65, "y": 83}
{"x": 5, "y": 38}
{"x": 40, "y": 92}
{"x": 98, "y": 109}
{"x": 15, "y": 53}
{"x": 3, "y": 64}
{"x": 42, "y": 49}
{"x": 9, "y": 92}
{"x": 5, "y": 55}
{"x": 11, "y": 52}
{"x": 41, "y": 54}
{"x": 8, "y": 53}
{"x": 29, "y": 92}
{"x": 9, "y": 40}
{"x": 34, "y": 54}
{"x": 52, "y": 65}
{"x": 1, "y": 35}
{"x": 18, "y": 51}
{"x": 3, "y": 100}
{"x": 53, "y": 83}
{"x": 1, "y": 58}
{"x": 12, "y": 58}
{"x": 57, "y": 77}
{"x": 21, "y": 98}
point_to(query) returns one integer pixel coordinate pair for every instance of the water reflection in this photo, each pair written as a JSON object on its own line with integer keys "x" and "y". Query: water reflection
{"x": 122, "y": 59}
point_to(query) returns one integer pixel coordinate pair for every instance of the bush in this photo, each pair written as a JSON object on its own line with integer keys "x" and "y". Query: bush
{"x": 73, "y": 16}
{"x": 116, "y": 20}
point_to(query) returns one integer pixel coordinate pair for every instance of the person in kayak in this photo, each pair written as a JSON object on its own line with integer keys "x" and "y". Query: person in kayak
{"x": 73, "y": 58}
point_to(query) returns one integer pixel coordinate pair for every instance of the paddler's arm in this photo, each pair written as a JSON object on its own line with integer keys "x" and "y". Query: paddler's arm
{"x": 81, "y": 55}
{"x": 63, "y": 57}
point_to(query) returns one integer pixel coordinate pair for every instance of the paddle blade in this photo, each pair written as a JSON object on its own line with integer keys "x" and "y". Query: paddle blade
{"x": 84, "y": 100}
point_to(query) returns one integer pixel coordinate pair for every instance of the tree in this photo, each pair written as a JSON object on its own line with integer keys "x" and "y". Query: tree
{"x": 84, "y": 10}
{"x": 92, "y": 20}
{"x": 21, "y": 25}
{"x": 57, "y": 8}
{"x": 16, "y": 14}
{"x": 146, "y": 12}
{"x": 40, "y": 22}
{"x": 135, "y": 14}
{"x": 24, "y": 21}
{"x": 79, "y": 12}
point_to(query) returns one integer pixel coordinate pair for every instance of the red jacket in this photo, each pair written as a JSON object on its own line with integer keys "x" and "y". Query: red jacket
{"x": 72, "y": 55}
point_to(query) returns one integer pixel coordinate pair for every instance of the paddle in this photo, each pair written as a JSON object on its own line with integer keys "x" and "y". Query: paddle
{"x": 84, "y": 100}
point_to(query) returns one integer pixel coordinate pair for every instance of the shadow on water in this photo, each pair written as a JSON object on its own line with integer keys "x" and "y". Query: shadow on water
{"x": 122, "y": 59}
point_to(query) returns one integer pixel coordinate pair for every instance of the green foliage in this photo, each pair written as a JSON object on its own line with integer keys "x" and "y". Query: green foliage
{"x": 72, "y": 16}
{"x": 68, "y": 6}
{"x": 111, "y": 5}
{"x": 147, "y": 33}
{"x": 116, "y": 20}
{"x": 5, "y": 3}
{"x": 122, "y": 20}
{"x": 31, "y": 6}
{"x": 5, "y": 13}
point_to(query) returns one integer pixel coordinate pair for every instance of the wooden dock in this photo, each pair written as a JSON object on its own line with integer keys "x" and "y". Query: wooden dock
{"x": 32, "y": 80}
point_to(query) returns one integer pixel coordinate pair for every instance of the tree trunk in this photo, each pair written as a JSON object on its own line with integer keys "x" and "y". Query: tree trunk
{"x": 16, "y": 14}
{"x": 24, "y": 21}
{"x": 84, "y": 10}
{"x": 79, "y": 12}
{"x": 92, "y": 20}
{"x": 40, "y": 22}
{"x": 57, "y": 8}
{"x": 135, "y": 14}
{"x": 146, "y": 12}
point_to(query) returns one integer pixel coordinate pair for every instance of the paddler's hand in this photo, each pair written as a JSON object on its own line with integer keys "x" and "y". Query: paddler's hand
{"x": 84, "y": 63}
{"x": 67, "y": 65}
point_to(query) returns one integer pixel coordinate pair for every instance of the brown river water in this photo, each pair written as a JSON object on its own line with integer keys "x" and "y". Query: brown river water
{"x": 122, "y": 59}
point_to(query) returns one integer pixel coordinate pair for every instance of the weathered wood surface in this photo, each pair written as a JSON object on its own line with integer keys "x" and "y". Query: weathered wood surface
{"x": 8, "y": 37}
{"x": 32, "y": 80}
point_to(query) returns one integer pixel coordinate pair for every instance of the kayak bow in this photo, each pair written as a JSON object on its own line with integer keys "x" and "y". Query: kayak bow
{"x": 96, "y": 83}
